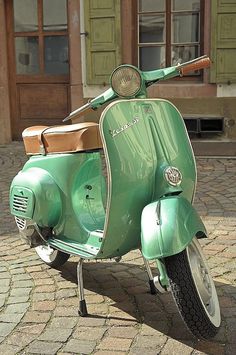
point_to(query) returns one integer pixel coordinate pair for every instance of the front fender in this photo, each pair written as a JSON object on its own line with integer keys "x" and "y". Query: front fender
{"x": 168, "y": 226}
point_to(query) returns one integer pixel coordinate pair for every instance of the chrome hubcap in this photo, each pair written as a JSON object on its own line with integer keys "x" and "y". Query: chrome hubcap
{"x": 203, "y": 281}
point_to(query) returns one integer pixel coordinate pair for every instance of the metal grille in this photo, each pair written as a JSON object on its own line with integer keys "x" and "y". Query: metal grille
{"x": 20, "y": 203}
{"x": 21, "y": 223}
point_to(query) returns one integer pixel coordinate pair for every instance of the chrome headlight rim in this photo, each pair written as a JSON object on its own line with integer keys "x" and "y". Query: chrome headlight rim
{"x": 129, "y": 69}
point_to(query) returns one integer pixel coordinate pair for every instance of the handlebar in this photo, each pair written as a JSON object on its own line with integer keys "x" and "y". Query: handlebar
{"x": 147, "y": 78}
{"x": 196, "y": 64}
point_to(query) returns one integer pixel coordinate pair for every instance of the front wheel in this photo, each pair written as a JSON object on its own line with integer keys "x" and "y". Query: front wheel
{"x": 194, "y": 291}
{"x": 52, "y": 257}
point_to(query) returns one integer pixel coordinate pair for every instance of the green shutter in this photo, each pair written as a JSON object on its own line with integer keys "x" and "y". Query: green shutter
{"x": 103, "y": 42}
{"x": 223, "y": 42}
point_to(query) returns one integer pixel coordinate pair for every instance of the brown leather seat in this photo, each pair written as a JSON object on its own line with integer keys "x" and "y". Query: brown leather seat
{"x": 62, "y": 139}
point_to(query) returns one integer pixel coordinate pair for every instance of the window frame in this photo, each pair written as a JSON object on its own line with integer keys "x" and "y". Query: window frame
{"x": 41, "y": 34}
{"x": 168, "y": 35}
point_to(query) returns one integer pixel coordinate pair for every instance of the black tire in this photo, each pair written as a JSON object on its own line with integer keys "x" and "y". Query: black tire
{"x": 56, "y": 258}
{"x": 202, "y": 319}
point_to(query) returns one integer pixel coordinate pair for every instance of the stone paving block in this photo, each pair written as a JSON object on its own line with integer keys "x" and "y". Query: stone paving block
{"x": 90, "y": 333}
{"x": 9, "y": 349}
{"x": 211, "y": 348}
{"x": 21, "y": 277}
{"x": 109, "y": 343}
{"x": 15, "y": 299}
{"x": 11, "y": 318}
{"x": 2, "y": 301}
{"x": 139, "y": 351}
{"x": 31, "y": 328}
{"x": 64, "y": 323}
{"x": 66, "y": 284}
{"x": 6, "y": 328}
{"x": 17, "y": 308}
{"x": 230, "y": 349}
{"x": 40, "y": 282}
{"x": 64, "y": 293}
{"x": 19, "y": 270}
{"x": 3, "y": 290}
{"x": 123, "y": 332}
{"x": 91, "y": 322}
{"x": 45, "y": 288}
{"x": 4, "y": 275}
{"x": 31, "y": 269}
{"x": 36, "y": 317}
{"x": 56, "y": 335}
{"x": 173, "y": 347}
{"x": 79, "y": 346}
{"x": 43, "y": 305}
{"x": 43, "y": 347}
{"x": 43, "y": 296}
{"x": 19, "y": 292}
{"x": 22, "y": 284}
{"x": 20, "y": 339}
{"x": 66, "y": 311}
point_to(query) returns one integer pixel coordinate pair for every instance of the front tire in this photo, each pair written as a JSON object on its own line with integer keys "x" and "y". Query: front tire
{"x": 52, "y": 257}
{"x": 194, "y": 291}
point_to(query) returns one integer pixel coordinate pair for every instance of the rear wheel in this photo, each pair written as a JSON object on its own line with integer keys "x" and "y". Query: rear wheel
{"x": 51, "y": 256}
{"x": 194, "y": 291}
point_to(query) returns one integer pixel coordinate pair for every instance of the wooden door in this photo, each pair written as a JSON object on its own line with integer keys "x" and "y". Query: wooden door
{"x": 38, "y": 62}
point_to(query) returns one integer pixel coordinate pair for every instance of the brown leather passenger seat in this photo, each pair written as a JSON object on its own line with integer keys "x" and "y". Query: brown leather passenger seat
{"x": 62, "y": 139}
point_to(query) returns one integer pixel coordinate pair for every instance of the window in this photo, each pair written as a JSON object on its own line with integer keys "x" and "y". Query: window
{"x": 168, "y": 32}
{"x": 41, "y": 37}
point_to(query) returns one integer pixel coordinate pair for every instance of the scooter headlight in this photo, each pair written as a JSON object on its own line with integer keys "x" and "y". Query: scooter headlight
{"x": 126, "y": 81}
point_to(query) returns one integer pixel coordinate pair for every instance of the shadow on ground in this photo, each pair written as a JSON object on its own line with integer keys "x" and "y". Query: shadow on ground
{"x": 129, "y": 296}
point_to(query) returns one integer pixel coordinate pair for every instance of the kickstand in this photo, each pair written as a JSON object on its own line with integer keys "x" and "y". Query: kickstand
{"x": 153, "y": 289}
{"x": 82, "y": 303}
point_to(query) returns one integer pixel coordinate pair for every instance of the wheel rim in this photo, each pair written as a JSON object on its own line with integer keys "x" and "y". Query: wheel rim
{"x": 203, "y": 281}
{"x": 46, "y": 253}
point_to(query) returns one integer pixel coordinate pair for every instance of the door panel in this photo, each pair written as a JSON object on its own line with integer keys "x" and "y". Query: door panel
{"x": 39, "y": 58}
{"x": 34, "y": 101}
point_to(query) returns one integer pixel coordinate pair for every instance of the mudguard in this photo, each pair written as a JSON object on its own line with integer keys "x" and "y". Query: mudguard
{"x": 168, "y": 226}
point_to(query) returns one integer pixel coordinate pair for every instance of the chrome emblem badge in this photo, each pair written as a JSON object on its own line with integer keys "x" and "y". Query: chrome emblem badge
{"x": 173, "y": 176}
{"x": 114, "y": 132}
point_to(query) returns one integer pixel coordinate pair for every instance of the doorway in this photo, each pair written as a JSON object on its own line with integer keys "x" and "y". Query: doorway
{"x": 38, "y": 49}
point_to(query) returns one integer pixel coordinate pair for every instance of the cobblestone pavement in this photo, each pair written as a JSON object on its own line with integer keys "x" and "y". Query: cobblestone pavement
{"x": 38, "y": 305}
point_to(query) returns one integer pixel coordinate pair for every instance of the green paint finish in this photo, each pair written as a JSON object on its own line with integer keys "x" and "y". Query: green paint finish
{"x": 223, "y": 48}
{"x": 103, "y": 42}
{"x": 168, "y": 226}
{"x": 86, "y": 251}
{"x": 69, "y": 196}
{"x": 141, "y": 139}
{"x": 44, "y": 202}
{"x": 22, "y": 200}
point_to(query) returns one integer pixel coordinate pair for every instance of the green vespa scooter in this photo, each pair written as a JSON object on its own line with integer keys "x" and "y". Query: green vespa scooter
{"x": 64, "y": 204}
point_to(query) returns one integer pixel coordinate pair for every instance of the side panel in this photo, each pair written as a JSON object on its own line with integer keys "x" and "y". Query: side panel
{"x": 168, "y": 226}
{"x": 141, "y": 138}
{"x": 63, "y": 191}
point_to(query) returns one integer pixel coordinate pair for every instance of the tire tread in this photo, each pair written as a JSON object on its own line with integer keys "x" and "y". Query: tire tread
{"x": 186, "y": 297}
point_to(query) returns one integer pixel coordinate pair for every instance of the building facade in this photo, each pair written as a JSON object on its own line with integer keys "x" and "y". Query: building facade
{"x": 56, "y": 54}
